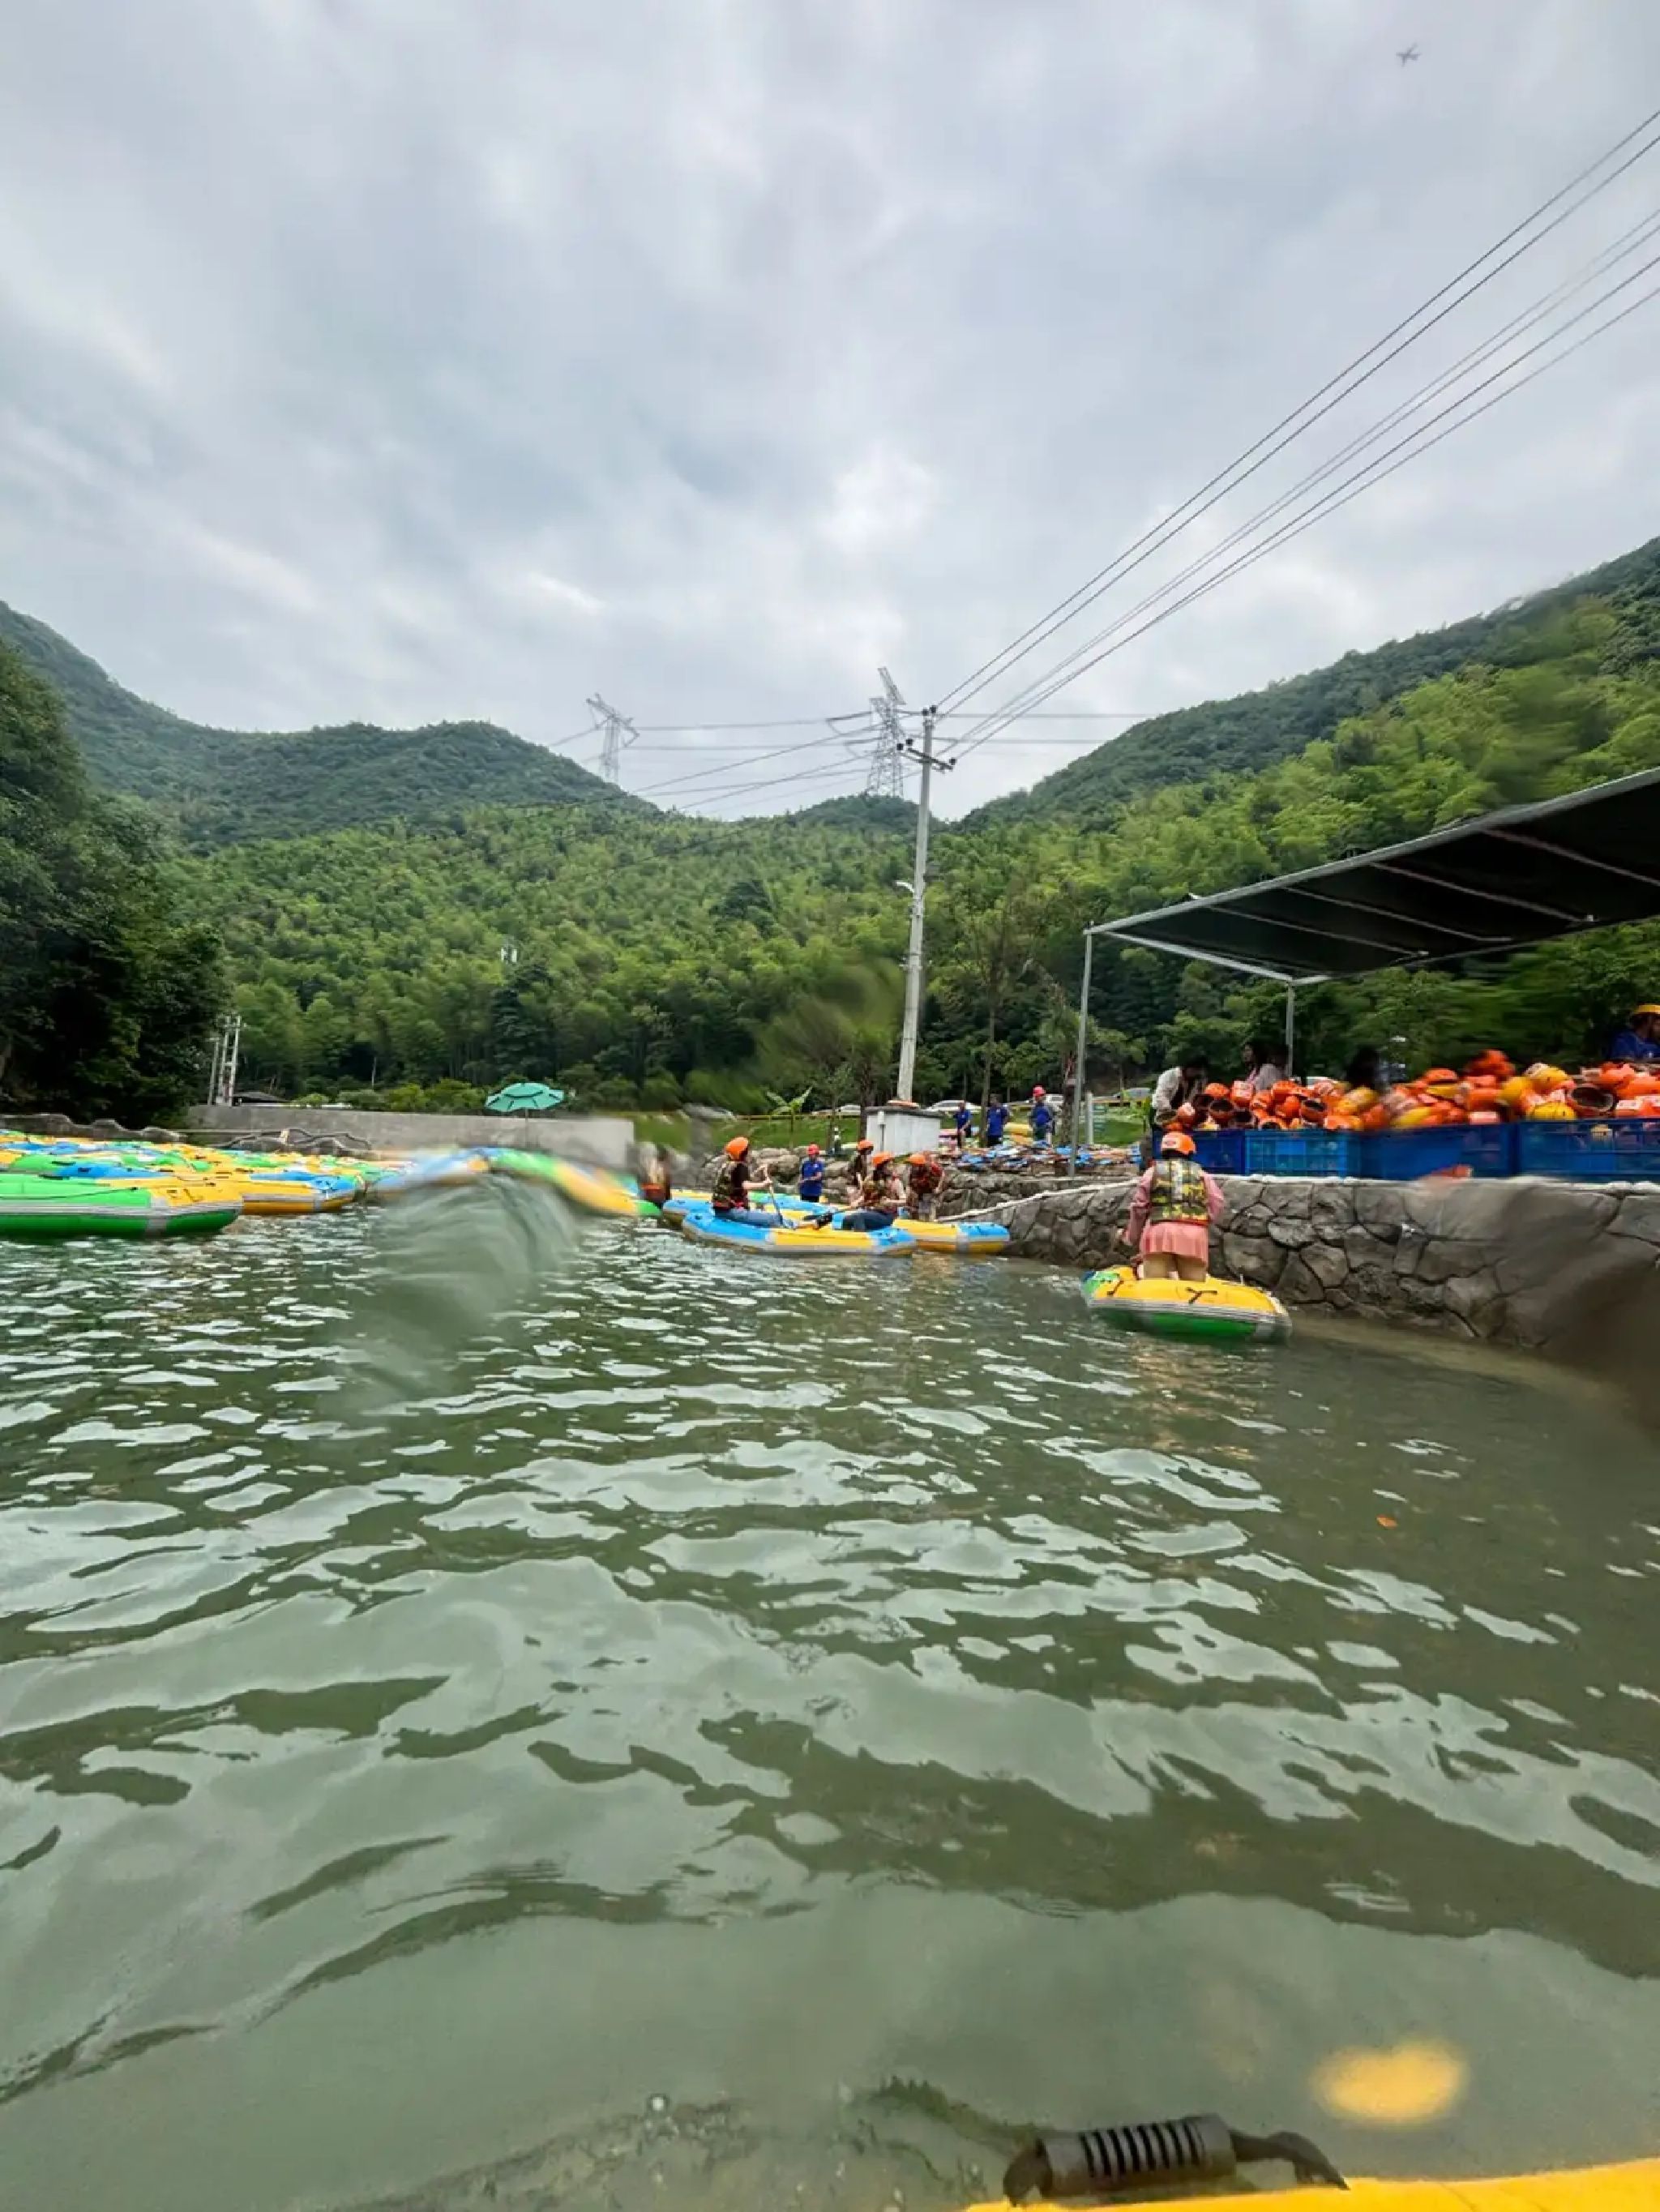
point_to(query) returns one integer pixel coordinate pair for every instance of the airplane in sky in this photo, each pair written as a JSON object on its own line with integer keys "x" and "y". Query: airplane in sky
{"x": 1405, "y": 54}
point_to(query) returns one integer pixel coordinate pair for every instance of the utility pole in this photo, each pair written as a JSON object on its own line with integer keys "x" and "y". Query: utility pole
{"x": 886, "y": 778}
{"x": 618, "y": 731}
{"x": 924, "y": 753}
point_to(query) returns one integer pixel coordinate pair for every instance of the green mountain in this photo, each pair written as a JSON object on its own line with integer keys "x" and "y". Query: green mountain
{"x": 1224, "y": 737}
{"x": 645, "y": 958}
{"x": 221, "y": 785}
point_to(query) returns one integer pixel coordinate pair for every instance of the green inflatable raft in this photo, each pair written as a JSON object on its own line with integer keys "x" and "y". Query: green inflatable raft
{"x": 41, "y": 1209}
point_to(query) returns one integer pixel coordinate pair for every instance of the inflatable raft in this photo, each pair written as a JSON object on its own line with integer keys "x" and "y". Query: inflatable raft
{"x": 1634, "y": 2186}
{"x": 42, "y": 1208}
{"x": 589, "y": 1189}
{"x": 1171, "y": 1308}
{"x": 704, "y": 1226}
{"x": 969, "y": 1240}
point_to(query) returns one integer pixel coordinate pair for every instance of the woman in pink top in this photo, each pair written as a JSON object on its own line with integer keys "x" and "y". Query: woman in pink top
{"x": 1170, "y": 1216}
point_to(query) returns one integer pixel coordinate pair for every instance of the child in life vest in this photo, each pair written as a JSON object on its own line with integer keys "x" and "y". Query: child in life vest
{"x": 1170, "y": 1216}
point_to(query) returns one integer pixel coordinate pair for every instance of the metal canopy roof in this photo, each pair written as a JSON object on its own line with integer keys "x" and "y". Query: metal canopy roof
{"x": 1486, "y": 885}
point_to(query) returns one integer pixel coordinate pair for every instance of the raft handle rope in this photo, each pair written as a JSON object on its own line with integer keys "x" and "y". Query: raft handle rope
{"x": 1171, "y": 2154}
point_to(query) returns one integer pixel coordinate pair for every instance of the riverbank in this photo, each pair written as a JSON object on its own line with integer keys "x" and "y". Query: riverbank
{"x": 1544, "y": 1266}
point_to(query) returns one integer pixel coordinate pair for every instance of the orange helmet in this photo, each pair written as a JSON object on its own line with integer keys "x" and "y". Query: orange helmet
{"x": 881, "y": 1159}
{"x": 917, "y": 1159}
{"x": 736, "y": 1147}
{"x": 812, "y": 1151}
{"x": 866, "y": 1144}
{"x": 1178, "y": 1140}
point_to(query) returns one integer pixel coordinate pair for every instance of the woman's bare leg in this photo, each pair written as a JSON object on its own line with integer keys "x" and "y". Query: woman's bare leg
{"x": 1158, "y": 1267}
{"x": 1191, "y": 1271}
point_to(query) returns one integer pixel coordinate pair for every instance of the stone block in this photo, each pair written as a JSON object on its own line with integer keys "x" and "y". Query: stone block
{"x": 1638, "y": 1215}
{"x": 1292, "y": 1230}
{"x": 1253, "y": 1259}
{"x": 1325, "y": 1261}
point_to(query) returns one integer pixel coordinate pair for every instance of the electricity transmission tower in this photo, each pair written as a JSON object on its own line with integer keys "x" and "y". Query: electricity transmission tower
{"x": 885, "y": 777}
{"x": 618, "y": 731}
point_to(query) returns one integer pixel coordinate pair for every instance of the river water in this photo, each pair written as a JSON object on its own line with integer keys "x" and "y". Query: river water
{"x": 592, "y": 1721}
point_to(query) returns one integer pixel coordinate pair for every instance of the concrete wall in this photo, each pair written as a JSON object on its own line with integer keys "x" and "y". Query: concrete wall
{"x": 599, "y": 1140}
{"x": 1568, "y": 1268}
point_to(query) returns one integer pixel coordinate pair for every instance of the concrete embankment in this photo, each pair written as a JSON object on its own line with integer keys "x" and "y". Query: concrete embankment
{"x": 1554, "y": 1267}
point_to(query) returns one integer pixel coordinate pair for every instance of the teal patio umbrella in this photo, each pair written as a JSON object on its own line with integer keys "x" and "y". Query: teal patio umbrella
{"x": 524, "y": 1099}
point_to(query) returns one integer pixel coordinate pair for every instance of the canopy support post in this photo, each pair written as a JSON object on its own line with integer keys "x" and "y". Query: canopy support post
{"x": 1290, "y": 1029}
{"x": 1083, "y": 1047}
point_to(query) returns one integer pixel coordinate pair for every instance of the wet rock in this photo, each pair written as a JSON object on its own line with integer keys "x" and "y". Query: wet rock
{"x": 1256, "y": 1260}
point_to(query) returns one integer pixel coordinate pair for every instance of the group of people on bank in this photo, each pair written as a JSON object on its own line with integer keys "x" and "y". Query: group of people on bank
{"x": 1040, "y": 1118}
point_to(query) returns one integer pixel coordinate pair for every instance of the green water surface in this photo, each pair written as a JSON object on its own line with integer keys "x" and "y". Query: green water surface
{"x": 669, "y": 1725}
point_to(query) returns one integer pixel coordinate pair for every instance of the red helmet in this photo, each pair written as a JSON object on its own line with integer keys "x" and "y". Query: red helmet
{"x": 1038, "y": 1091}
{"x": 812, "y": 1151}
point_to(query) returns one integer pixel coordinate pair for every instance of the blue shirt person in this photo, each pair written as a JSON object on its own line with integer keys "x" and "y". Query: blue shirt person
{"x": 1640, "y": 1038}
{"x": 997, "y": 1120}
{"x": 1042, "y": 1117}
{"x": 812, "y": 1183}
{"x": 964, "y": 1125}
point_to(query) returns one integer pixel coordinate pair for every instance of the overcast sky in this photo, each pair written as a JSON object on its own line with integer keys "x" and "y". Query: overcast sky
{"x": 403, "y": 360}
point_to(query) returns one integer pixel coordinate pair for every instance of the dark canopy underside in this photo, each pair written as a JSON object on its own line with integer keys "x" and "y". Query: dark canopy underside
{"x": 1484, "y": 886}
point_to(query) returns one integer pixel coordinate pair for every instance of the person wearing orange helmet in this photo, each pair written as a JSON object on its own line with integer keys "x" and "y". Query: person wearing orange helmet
{"x": 924, "y": 1185}
{"x": 733, "y": 1182}
{"x": 1171, "y": 1215}
{"x": 878, "y": 1196}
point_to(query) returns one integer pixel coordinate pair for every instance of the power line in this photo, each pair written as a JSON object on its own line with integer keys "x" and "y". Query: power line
{"x": 1374, "y": 473}
{"x": 1339, "y": 387}
{"x": 790, "y": 722}
{"x": 1042, "y": 687}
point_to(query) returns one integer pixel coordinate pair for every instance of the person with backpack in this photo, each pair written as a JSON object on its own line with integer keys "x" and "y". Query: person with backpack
{"x": 1171, "y": 1215}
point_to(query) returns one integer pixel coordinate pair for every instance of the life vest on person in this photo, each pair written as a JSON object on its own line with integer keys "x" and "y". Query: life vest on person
{"x": 877, "y": 1194}
{"x": 731, "y": 1187}
{"x": 927, "y": 1178}
{"x": 1179, "y": 1192}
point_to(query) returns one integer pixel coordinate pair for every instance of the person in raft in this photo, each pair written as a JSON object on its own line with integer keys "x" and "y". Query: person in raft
{"x": 732, "y": 1180}
{"x": 924, "y": 1185}
{"x": 997, "y": 1120}
{"x": 1639, "y": 1040}
{"x": 812, "y": 1181}
{"x": 1171, "y": 1215}
{"x": 656, "y": 1177}
{"x": 878, "y": 1196}
{"x": 1043, "y": 1116}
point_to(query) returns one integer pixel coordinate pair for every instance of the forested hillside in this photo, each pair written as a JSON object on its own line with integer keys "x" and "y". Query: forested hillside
{"x": 645, "y": 958}
{"x": 1227, "y": 736}
{"x": 215, "y": 785}
{"x": 107, "y": 988}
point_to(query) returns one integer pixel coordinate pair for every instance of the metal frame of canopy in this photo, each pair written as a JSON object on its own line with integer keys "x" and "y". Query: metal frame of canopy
{"x": 1456, "y": 893}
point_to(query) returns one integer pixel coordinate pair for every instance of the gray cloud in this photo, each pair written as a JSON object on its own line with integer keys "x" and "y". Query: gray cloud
{"x": 402, "y": 359}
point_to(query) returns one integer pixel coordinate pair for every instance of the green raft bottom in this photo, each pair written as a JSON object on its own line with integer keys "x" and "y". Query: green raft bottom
{"x": 17, "y": 1228}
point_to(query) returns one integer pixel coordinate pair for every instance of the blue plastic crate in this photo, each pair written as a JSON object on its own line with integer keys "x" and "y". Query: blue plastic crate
{"x": 1221, "y": 1151}
{"x": 1590, "y": 1151}
{"x": 1403, "y": 1155}
{"x": 1301, "y": 1152}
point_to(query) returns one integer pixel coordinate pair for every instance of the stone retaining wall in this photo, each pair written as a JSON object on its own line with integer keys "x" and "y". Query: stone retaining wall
{"x": 1559, "y": 1266}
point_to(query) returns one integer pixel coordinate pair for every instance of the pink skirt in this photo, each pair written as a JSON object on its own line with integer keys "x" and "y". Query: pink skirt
{"x": 1188, "y": 1240}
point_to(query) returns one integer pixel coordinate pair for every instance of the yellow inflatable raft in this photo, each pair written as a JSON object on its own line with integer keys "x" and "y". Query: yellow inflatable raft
{"x": 1631, "y": 2187}
{"x": 1171, "y": 1308}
